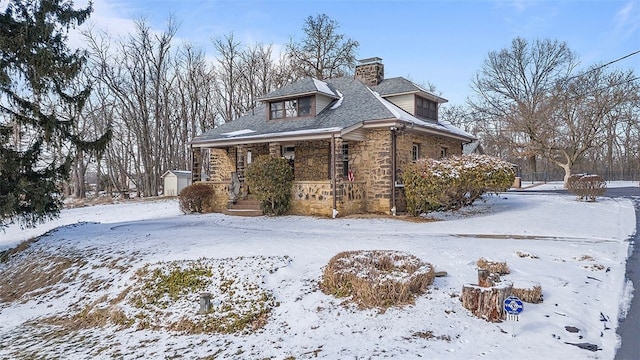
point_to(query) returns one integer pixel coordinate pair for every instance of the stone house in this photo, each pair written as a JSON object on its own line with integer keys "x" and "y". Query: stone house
{"x": 347, "y": 138}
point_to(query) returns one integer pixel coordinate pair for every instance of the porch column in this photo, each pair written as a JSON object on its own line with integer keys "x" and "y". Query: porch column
{"x": 275, "y": 150}
{"x": 336, "y": 172}
{"x": 196, "y": 164}
{"x": 241, "y": 153}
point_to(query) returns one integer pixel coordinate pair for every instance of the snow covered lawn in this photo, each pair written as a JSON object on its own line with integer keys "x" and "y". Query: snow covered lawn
{"x": 575, "y": 251}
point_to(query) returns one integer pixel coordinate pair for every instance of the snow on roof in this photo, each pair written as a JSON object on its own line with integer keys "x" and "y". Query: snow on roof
{"x": 292, "y": 133}
{"x": 238, "y": 132}
{"x": 323, "y": 87}
{"x": 339, "y": 102}
{"x": 405, "y": 116}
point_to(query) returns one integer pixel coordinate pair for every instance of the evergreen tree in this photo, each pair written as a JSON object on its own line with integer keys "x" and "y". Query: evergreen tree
{"x": 37, "y": 138}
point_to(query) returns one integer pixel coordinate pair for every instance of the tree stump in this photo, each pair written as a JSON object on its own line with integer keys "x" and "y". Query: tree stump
{"x": 486, "y": 300}
{"x": 484, "y": 278}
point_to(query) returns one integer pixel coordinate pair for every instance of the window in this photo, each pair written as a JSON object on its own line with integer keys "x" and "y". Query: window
{"x": 415, "y": 152}
{"x": 304, "y": 106}
{"x": 345, "y": 160}
{"x": 290, "y": 108}
{"x": 276, "y": 110}
{"x": 426, "y": 108}
{"x": 443, "y": 152}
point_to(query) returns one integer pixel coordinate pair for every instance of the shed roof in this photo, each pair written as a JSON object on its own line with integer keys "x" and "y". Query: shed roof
{"x": 178, "y": 173}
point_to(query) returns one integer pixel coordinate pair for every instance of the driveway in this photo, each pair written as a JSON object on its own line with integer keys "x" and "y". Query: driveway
{"x": 629, "y": 327}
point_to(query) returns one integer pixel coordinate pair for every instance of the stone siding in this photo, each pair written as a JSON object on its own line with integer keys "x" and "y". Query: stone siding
{"x": 370, "y": 161}
{"x": 370, "y": 74}
{"x": 312, "y": 194}
{"x": 220, "y": 199}
{"x": 312, "y": 198}
{"x": 315, "y": 198}
{"x": 312, "y": 160}
{"x": 220, "y": 165}
{"x": 353, "y": 198}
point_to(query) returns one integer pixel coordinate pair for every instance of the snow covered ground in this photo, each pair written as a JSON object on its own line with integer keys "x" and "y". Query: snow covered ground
{"x": 576, "y": 251}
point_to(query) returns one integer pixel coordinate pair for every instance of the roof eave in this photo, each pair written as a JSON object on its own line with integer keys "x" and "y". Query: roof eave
{"x": 266, "y": 138}
{"x": 381, "y": 123}
{"x": 438, "y": 99}
{"x": 289, "y": 96}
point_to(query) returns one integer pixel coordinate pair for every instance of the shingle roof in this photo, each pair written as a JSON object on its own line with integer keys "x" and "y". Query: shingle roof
{"x": 400, "y": 85}
{"x": 355, "y": 104}
{"x": 304, "y": 86}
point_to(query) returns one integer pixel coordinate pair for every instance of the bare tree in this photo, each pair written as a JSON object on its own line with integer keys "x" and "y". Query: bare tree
{"x": 586, "y": 111}
{"x": 192, "y": 103}
{"x": 323, "y": 53}
{"x": 228, "y": 75}
{"x": 513, "y": 87}
{"x": 137, "y": 74}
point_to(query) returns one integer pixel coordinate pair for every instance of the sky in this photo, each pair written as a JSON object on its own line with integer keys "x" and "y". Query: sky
{"x": 443, "y": 43}
{"x": 546, "y": 239}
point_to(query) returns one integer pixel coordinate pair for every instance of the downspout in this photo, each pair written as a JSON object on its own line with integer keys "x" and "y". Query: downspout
{"x": 334, "y": 213}
{"x": 393, "y": 170}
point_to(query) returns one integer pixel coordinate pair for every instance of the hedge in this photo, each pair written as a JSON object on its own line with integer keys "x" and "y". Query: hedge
{"x": 454, "y": 182}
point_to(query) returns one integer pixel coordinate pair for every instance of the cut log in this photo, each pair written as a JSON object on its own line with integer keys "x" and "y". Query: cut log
{"x": 485, "y": 279}
{"x": 486, "y": 302}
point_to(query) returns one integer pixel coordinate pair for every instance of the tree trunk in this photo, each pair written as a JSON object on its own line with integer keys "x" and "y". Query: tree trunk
{"x": 533, "y": 167}
{"x": 567, "y": 173}
{"x": 486, "y": 302}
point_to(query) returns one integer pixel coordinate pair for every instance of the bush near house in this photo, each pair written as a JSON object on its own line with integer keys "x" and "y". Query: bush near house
{"x": 454, "y": 182}
{"x": 271, "y": 180}
{"x": 586, "y": 187}
{"x": 195, "y": 198}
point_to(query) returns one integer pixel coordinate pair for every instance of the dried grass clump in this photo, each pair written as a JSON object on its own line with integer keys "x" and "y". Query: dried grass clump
{"x": 377, "y": 278}
{"x": 36, "y": 274}
{"x": 493, "y": 267}
{"x": 531, "y": 295}
{"x": 92, "y": 318}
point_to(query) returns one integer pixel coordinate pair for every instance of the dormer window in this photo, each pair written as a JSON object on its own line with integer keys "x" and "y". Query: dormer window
{"x": 290, "y": 108}
{"x": 426, "y": 108}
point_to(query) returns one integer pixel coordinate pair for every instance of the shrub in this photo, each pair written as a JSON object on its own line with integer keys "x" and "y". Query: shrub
{"x": 377, "y": 278}
{"x": 454, "y": 182}
{"x": 586, "y": 187}
{"x": 196, "y": 198}
{"x": 271, "y": 180}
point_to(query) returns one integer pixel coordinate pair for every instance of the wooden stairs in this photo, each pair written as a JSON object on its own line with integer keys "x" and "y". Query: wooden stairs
{"x": 245, "y": 207}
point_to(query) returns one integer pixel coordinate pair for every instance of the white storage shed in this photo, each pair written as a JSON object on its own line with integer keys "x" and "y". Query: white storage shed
{"x": 174, "y": 181}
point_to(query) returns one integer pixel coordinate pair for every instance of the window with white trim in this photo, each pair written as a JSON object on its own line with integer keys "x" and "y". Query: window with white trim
{"x": 290, "y": 108}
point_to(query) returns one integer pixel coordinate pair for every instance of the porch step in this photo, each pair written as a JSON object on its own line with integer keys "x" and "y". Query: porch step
{"x": 245, "y": 207}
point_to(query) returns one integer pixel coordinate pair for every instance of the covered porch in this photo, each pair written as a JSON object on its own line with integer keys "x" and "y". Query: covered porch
{"x": 321, "y": 167}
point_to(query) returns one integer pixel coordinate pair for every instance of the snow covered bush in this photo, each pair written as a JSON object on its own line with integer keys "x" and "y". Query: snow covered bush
{"x": 586, "y": 187}
{"x": 195, "y": 198}
{"x": 377, "y": 278}
{"x": 454, "y": 182}
{"x": 271, "y": 180}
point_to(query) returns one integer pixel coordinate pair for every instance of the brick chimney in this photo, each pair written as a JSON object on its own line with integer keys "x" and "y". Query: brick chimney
{"x": 370, "y": 71}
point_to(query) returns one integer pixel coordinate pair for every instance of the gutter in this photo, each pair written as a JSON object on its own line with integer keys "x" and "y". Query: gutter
{"x": 334, "y": 213}
{"x": 394, "y": 129}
